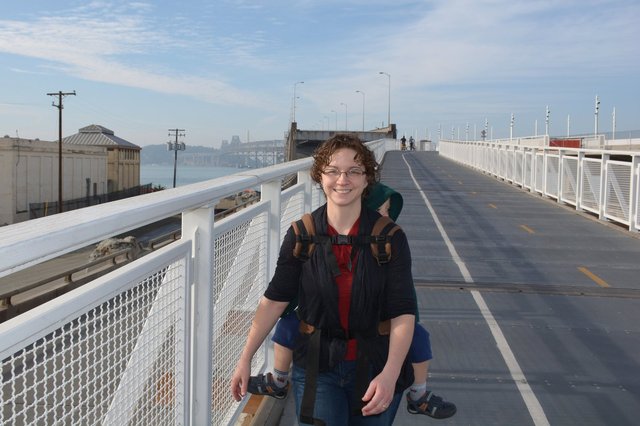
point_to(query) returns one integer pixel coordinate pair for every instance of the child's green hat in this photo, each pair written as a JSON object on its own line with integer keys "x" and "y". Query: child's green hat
{"x": 378, "y": 194}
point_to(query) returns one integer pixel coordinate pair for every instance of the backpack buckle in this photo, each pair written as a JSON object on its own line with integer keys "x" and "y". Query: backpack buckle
{"x": 383, "y": 257}
{"x": 341, "y": 239}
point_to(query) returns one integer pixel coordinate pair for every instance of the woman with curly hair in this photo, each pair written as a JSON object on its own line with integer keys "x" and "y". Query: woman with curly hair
{"x": 356, "y": 314}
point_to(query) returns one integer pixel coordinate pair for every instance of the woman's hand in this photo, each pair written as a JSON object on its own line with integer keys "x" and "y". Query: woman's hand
{"x": 380, "y": 393}
{"x": 240, "y": 379}
{"x": 381, "y": 390}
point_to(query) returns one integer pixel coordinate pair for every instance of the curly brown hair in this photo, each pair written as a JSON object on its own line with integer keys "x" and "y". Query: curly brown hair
{"x": 322, "y": 156}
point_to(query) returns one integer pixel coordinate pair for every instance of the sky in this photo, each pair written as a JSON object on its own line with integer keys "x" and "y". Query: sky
{"x": 232, "y": 67}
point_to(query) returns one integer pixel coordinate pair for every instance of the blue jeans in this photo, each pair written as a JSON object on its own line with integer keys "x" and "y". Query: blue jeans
{"x": 334, "y": 398}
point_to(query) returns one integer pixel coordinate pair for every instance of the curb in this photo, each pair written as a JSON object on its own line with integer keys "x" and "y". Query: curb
{"x": 261, "y": 411}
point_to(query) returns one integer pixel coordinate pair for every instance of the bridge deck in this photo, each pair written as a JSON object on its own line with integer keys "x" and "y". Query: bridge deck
{"x": 532, "y": 307}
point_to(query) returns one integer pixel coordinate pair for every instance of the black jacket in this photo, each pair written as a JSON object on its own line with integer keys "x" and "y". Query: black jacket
{"x": 379, "y": 292}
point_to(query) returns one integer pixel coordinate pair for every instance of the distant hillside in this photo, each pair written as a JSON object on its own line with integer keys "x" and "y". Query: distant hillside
{"x": 158, "y": 154}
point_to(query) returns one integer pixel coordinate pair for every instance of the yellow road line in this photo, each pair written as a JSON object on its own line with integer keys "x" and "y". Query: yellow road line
{"x": 493, "y": 206}
{"x": 594, "y": 277}
{"x": 526, "y": 228}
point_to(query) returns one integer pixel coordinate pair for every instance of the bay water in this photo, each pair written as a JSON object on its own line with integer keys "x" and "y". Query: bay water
{"x": 163, "y": 174}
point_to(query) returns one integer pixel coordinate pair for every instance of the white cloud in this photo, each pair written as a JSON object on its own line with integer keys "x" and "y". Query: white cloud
{"x": 449, "y": 59}
{"x": 102, "y": 50}
{"x": 471, "y": 41}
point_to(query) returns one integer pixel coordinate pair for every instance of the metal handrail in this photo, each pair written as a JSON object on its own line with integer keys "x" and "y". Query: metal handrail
{"x": 547, "y": 174}
{"x": 6, "y": 293}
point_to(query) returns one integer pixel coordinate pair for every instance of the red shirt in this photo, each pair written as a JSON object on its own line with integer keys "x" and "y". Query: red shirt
{"x": 344, "y": 282}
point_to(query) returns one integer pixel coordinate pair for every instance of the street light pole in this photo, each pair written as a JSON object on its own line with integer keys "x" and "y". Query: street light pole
{"x": 346, "y": 123}
{"x": 513, "y": 118}
{"x": 333, "y": 110}
{"x": 486, "y": 128}
{"x": 613, "y": 127}
{"x": 546, "y": 121}
{"x": 294, "y": 99}
{"x": 596, "y": 115}
{"x": 389, "y": 99}
{"x": 362, "y": 93}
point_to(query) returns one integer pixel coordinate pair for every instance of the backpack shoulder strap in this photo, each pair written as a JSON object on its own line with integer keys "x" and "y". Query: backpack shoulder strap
{"x": 305, "y": 231}
{"x": 383, "y": 230}
{"x": 380, "y": 239}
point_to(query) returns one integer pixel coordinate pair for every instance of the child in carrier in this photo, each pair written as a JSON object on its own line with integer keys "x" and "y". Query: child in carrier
{"x": 420, "y": 400}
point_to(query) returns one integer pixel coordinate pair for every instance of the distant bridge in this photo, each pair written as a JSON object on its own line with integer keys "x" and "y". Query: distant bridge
{"x": 302, "y": 143}
{"x": 252, "y": 154}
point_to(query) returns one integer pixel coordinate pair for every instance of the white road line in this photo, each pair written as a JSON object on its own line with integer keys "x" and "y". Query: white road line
{"x": 533, "y": 405}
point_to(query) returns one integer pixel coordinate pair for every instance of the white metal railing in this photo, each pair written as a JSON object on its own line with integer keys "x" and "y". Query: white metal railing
{"x": 154, "y": 342}
{"x": 585, "y": 178}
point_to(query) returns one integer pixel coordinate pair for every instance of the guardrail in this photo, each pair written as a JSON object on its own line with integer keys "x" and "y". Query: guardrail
{"x": 31, "y": 294}
{"x": 155, "y": 341}
{"x": 19, "y": 295}
{"x": 603, "y": 182}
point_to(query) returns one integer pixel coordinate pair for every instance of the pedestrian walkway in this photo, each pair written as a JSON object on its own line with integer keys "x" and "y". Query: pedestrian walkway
{"x": 531, "y": 306}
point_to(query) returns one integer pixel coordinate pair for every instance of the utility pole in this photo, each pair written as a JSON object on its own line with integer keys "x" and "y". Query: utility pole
{"x": 60, "y": 95}
{"x": 177, "y": 146}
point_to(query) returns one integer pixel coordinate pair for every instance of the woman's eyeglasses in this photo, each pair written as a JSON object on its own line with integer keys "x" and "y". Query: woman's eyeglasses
{"x": 333, "y": 173}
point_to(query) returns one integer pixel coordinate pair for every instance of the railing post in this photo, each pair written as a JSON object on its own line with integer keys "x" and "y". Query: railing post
{"x": 531, "y": 170}
{"x": 603, "y": 186}
{"x": 305, "y": 178}
{"x": 545, "y": 174}
{"x": 634, "y": 193}
{"x": 560, "y": 175}
{"x": 514, "y": 163}
{"x": 271, "y": 192}
{"x": 525, "y": 149}
{"x": 580, "y": 176}
{"x": 198, "y": 226}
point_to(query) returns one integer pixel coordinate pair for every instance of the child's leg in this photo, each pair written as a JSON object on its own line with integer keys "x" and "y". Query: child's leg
{"x": 419, "y": 399}
{"x": 277, "y": 384}
{"x": 421, "y": 371}
{"x": 282, "y": 357}
{"x": 420, "y": 356}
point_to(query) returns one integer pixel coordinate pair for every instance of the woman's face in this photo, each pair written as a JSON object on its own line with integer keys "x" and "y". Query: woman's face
{"x": 344, "y": 179}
